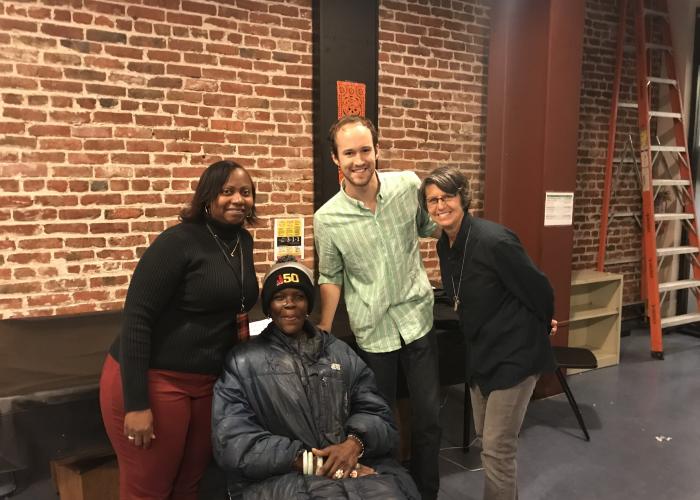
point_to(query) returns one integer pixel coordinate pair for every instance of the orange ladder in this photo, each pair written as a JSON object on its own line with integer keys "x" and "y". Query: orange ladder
{"x": 663, "y": 166}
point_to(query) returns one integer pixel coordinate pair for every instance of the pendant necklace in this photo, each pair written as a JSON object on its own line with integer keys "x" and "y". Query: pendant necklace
{"x": 455, "y": 290}
{"x": 222, "y": 244}
{"x": 242, "y": 323}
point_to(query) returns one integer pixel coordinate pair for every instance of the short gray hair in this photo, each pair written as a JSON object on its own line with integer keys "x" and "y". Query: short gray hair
{"x": 449, "y": 179}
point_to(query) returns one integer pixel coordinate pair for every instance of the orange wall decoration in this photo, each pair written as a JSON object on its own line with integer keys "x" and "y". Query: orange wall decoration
{"x": 351, "y": 98}
{"x": 351, "y": 101}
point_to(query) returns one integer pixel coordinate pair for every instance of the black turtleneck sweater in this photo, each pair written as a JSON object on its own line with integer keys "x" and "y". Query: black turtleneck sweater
{"x": 181, "y": 306}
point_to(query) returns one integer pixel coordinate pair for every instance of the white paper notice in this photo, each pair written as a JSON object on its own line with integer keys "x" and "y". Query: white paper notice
{"x": 558, "y": 209}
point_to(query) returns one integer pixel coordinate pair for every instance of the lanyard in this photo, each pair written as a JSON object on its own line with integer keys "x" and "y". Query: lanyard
{"x": 226, "y": 254}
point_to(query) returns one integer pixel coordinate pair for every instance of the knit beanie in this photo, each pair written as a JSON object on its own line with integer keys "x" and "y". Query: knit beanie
{"x": 287, "y": 273}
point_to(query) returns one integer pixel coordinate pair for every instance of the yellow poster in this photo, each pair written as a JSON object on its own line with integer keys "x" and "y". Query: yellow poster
{"x": 289, "y": 238}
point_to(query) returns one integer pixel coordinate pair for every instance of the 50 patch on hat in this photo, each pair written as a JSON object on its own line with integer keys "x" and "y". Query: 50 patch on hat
{"x": 287, "y": 273}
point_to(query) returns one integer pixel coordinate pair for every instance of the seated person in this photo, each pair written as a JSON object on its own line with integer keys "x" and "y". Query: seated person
{"x": 296, "y": 412}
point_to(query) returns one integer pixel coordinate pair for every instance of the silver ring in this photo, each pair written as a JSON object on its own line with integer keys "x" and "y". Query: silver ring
{"x": 339, "y": 473}
{"x": 130, "y": 437}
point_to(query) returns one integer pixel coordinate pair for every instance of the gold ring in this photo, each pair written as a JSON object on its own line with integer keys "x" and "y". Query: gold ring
{"x": 339, "y": 473}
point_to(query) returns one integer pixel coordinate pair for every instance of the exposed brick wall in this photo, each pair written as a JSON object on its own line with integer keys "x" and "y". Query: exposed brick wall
{"x": 109, "y": 111}
{"x": 624, "y": 236}
{"x": 432, "y": 90}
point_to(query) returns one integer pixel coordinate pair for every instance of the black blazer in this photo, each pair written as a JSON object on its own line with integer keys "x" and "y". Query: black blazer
{"x": 506, "y": 304}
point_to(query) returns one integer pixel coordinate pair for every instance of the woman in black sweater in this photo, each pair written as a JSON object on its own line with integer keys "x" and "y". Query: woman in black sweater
{"x": 185, "y": 308}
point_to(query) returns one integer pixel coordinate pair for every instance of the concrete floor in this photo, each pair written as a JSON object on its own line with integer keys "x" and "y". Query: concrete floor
{"x": 644, "y": 420}
{"x": 643, "y": 416}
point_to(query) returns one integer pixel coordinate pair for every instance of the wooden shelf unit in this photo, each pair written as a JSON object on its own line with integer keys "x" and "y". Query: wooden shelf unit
{"x": 595, "y": 315}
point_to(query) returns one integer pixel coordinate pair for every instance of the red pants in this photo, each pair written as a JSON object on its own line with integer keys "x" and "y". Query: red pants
{"x": 175, "y": 463}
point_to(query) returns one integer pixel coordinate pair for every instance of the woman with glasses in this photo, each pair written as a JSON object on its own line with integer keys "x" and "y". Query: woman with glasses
{"x": 505, "y": 306}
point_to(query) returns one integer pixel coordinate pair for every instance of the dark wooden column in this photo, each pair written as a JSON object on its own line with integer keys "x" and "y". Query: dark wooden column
{"x": 532, "y": 130}
{"x": 345, "y": 49}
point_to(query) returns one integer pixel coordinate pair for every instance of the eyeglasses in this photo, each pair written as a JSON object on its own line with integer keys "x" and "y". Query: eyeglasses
{"x": 445, "y": 198}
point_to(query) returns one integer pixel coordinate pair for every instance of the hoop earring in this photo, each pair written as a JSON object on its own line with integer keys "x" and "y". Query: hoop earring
{"x": 207, "y": 211}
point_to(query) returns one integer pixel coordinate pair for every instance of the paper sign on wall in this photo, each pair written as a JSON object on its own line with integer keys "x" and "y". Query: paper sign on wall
{"x": 558, "y": 209}
{"x": 289, "y": 238}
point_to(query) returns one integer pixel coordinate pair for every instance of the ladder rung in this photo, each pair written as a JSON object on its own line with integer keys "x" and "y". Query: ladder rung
{"x": 682, "y": 319}
{"x": 677, "y": 149}
{"x": 665, "y": 114}
{"x": 656, "y": 79}
{"x": 626, "y": 159}
{"x": 678, "y": 285}
{"x": 625, "y": 214}
{"x": 666, "y": 251}
{"x": 670, "y": 182}
{"x": 657, "y": 13}
{"x": 658, "y": 46}
{"x": 681, "y": 216}
{"x": 627, "y": 104}
{"x": 618, "y": 262}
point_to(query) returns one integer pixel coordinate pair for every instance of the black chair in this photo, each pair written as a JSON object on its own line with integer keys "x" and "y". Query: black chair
{"x": 573, "y": 357}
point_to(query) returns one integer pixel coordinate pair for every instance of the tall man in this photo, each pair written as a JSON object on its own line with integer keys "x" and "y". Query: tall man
{"x": 367, "y": 242}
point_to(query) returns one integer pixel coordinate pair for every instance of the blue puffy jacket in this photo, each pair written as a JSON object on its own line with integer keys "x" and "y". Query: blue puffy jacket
{"x": 272, "y": 401}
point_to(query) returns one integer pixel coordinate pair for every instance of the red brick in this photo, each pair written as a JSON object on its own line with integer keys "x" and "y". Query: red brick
{"x": 101, "y": 199}
{"x": 145, "y": 13}
{"x": 123, "y": 213}
{"x": 17, "y": 141}
{"x": 20, "y": 288}
{"x": 108, "y": 280}
{"x": 186, "y": 19}
{"x": 115, "y": 254}
{"x": 165, "y": 82}
{"x": 62, "y": 59}
{"x": 49, "y": 130}
{"x": 91, "y": 296}
{"x": 147, "y": 41}
{"x": 112, "y": 117}
{"x": 104, "y": 145}
{"x": 179, "y": 69}
{"x": 67, "y": 144}
{"x": 130, "y": 158}
{"x": 79, "y": 213}
{"x": 61, "y": 86}
{"x": 206, "y": 136}
{"x": 85, "y": 158}
{"x": 13, "y": 82}
{"x": 109, "y": 227}
{"x": 62, "y": 31}
{"x": 35, "y": 215}
{"x": 41, "y": 243}
{"x": 124, "y": 52}
{"x": 164, "y": 55}
{"x": 199, "y": 7}
{"x": 16, "y": 24}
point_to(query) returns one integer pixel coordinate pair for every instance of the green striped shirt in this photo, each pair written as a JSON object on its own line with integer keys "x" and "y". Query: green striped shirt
{"x": 375, "y": 257}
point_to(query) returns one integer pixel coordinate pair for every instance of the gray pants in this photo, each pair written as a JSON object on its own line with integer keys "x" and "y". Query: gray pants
{"x": 497, "y": 420}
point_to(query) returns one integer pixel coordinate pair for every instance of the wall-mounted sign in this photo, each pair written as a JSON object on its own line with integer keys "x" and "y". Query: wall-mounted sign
{"x": 289, "y": 238}
{"x": 558, "y": 209}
